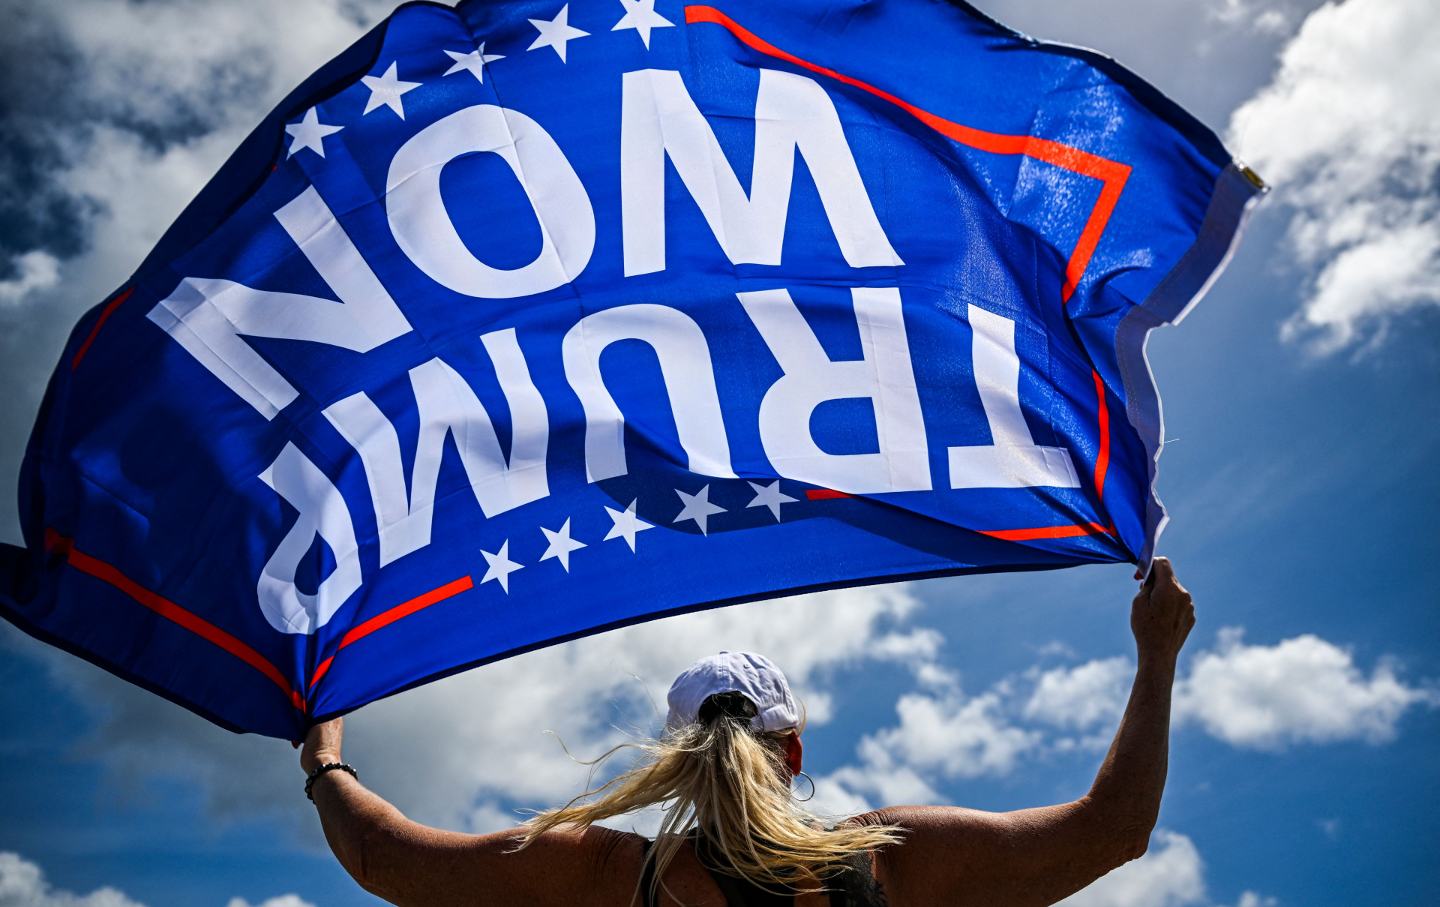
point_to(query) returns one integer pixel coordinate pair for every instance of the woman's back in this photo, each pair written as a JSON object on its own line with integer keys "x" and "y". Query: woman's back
{"x": 851, "y": 883}
{"x": 607, "y": 868}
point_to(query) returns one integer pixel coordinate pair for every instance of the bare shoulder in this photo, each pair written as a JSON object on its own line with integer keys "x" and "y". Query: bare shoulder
{"x": 965, "y": 856}
{"x": 602, "y": 865}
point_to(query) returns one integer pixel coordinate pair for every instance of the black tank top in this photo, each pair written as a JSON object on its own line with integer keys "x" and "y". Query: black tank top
{"x": 852, "y": 886}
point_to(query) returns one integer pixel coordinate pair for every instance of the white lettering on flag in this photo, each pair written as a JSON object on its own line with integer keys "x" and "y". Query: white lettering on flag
{"x": 427, "y": 235}
{"x": 1012, "y": 459}
{"x": 685, "y": 369}
{"x": 448, "y": 407}
{"x": 883, "y": 375}
{"x": 792, "y": 114}
{"x": 208, "y": 316}
{"x": 322, "y": 513}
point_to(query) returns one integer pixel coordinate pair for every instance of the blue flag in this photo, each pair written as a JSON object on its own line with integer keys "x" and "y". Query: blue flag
{"x": 524, "y": 320}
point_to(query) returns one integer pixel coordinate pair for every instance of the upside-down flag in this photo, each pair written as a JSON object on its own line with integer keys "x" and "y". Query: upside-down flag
{"x": 524, "y": 319}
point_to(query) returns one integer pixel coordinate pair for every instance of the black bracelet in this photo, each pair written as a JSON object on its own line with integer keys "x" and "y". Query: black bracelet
{"x": 319, "y": 770}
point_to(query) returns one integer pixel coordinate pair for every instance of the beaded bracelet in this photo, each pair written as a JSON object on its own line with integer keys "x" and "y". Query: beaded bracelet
{"x": 319, "y": 770}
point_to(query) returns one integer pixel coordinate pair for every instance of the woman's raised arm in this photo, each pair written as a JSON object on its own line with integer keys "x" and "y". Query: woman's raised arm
{"x": 1038, "y": 856}
{"x": 406, "y": 862}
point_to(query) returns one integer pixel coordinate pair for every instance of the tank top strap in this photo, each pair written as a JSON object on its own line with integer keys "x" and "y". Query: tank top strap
{"x": 739, "y": 892}
{"x": 855, "y": 887}
{"x": 647, "y": 875}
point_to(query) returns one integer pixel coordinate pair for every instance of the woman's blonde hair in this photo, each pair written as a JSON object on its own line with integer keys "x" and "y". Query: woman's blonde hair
{"x": 730, "y": 783}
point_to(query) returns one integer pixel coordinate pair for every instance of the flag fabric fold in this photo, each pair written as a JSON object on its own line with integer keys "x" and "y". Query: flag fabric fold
{"x": 523, "y": 320}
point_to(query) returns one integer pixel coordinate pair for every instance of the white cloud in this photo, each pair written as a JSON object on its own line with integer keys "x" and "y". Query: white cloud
{"x": 164, "y": 114}
{"x": 204, "y": 85}
{"x": 952, "y": 735}
{"x": 1171, "y": 874}
{"x": 1262, "y": 18}
{"x": 23, "y": 884}
{"x": 198, "y": 63}
{"x": 284, "y": 900}
{"x": 1347, "y": 133}
{"x": 1054, "y": 649}
{"x": 160, "y": 94}
{"x": 34, "y": 271}
{"x": 854, "y": 789}
{"x": 943, "y": 735}
{"x": 1271, "y": 21}
{"x": 1300, "y": 690}
{"x": 1089, "y": 695}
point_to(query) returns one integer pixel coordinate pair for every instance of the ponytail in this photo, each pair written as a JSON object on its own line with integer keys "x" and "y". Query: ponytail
{"x": 719, "y": 776}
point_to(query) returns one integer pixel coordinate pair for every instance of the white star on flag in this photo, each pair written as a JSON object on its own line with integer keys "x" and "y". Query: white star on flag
{"x": 641, "y": 16}
{"x": 387, "y": 90}
{"x": 698, "y": 508}
{"x": 560, "y": 545}
{"x": 627, "y": 525}
{"x": 473, "y": 62}
{"x": 309, "y": 133}
{"x": 769, "y": 496}
{"x": 500, "y": 567}
{"x": 554, "y": 33}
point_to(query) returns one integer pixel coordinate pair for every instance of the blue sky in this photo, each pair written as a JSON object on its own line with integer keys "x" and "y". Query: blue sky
{"x": 1302, "y": 481}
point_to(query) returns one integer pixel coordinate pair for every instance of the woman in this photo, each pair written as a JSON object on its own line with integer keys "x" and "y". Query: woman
{"x": 733, "y": 834}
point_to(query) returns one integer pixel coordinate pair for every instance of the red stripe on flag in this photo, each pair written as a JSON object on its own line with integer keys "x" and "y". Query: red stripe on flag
{"x": 824, "y": 494}
{"x": 108, "y": 573}
{"x": 321, "y": 671}
{"x": 1112, "y": 174}
{"x": 405, "y": 609}
{"x": 1045, "y": 532}
{"x": 1102, "y": 459}
{"x": 105, "y": 314}
{"x": 388, "y": 617}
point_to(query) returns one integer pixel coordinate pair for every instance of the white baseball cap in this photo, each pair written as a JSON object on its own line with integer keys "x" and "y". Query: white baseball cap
{"x": 752, "y": 675}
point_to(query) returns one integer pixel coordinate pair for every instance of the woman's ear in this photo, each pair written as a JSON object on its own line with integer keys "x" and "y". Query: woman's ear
{"x": 794, "y": 753}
